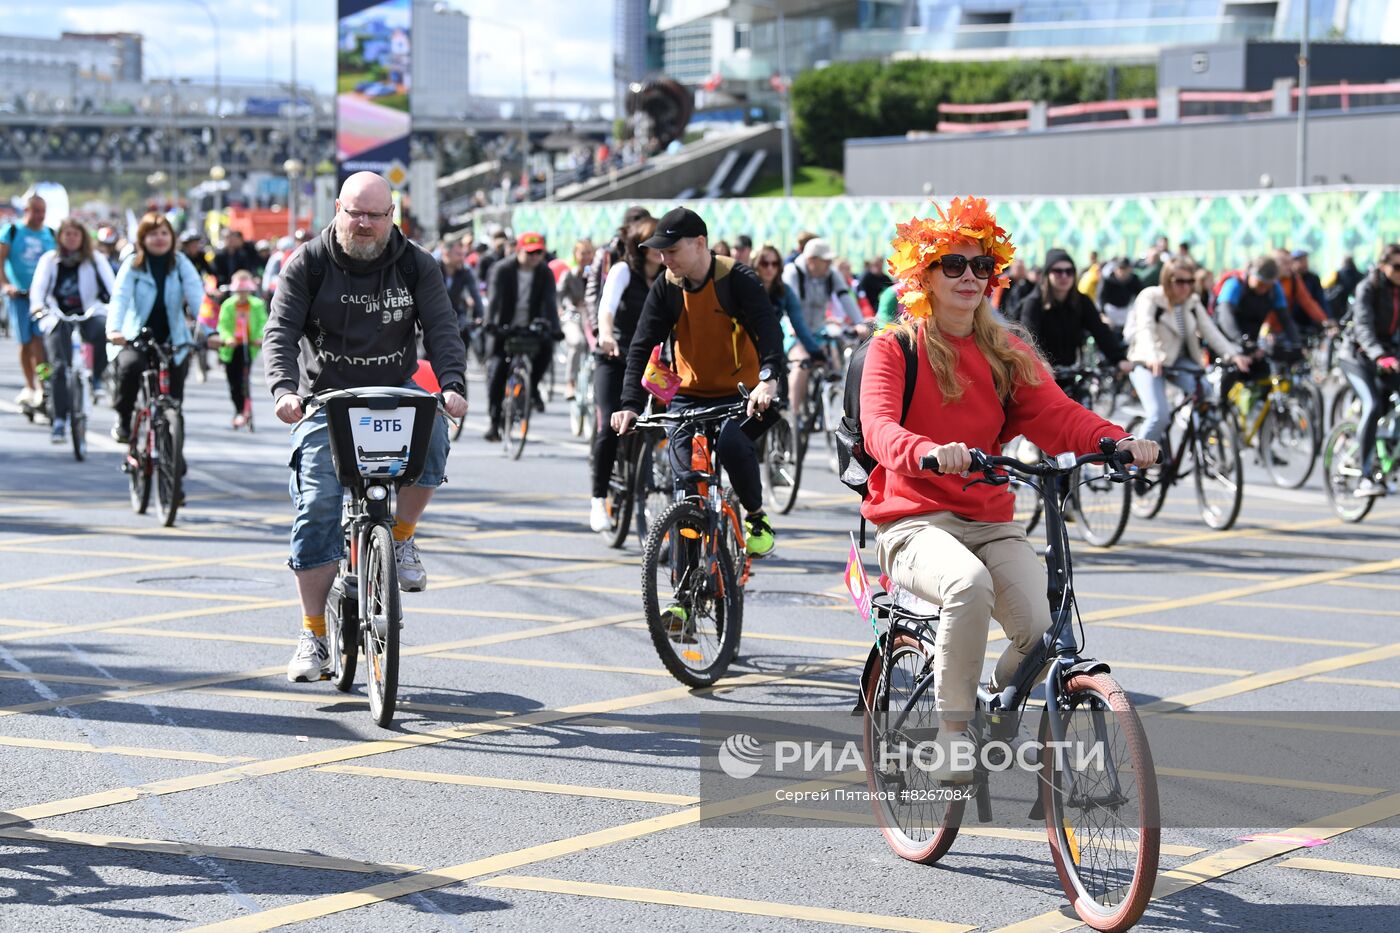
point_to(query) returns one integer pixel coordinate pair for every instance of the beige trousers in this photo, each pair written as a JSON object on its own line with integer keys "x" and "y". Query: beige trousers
{"x": 973, "y": 570}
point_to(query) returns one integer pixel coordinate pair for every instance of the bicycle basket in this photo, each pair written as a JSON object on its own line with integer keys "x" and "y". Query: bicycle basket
{"x": 379, "y": 434}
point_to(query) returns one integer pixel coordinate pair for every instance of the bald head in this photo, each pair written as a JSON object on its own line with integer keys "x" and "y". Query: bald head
{"x": 34, "y": 211}
{"x": 365, "y": 191}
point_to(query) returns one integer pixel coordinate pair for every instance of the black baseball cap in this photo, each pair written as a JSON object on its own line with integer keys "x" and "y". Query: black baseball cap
{"x": 674, "y": 226}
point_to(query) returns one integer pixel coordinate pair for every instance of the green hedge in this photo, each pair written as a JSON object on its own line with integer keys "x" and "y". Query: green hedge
{"x": 850, "y": 100}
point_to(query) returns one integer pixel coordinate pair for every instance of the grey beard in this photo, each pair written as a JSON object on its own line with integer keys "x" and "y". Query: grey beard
{"x": 356, "y": 250}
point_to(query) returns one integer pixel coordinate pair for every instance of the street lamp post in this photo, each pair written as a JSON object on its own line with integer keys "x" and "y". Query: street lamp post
{"x": 1303, "y": 96}
{"x": 293, "y": 168}
{"x": 218, "y": 104}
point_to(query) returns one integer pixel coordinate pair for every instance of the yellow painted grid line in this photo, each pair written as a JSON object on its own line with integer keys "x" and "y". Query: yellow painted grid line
{"x": 1232, "y": 778}
{"x": 126, "y": 751}
{"x": 1342, "y": 868}
{"x": 534, "y": 787}
{"x": 733, "y": 905}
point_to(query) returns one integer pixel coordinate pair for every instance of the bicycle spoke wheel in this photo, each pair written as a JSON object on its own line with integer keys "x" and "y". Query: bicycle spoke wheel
{"x": 1101, "y": 809}
{"x": 622, "y": 488}
{"x": 1341, "y": 473}
{"x": 1146, "y": 499}
{"x": 1099, "y": 505}
{"x": 170, "y": 444}
{"x": 379, "y": 579}
{"x": 1287, "y": 440}
{"x": 833, "y": 402}
{"x": 1219, "y": 472}
{"x": 1346, "y": 406}
{"x": 516, "y": 415}
{"x": 782, "y": 466}
{"x": 918, "y": 824}
{"x": 342, "y": 636}
{"x": 138, "y": 461}
{"x": 691, "y": 597}
{"x": 1028, "y": 507}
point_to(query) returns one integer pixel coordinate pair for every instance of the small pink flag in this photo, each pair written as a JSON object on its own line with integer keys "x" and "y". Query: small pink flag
{"x": 858, "y": 584}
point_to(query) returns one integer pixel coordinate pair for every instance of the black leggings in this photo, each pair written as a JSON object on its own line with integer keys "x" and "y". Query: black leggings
{"x": 497, "y": 371}
{"x": 130, "y": 366}
{"x": 737, "y": 453}
{"x": 58, "y": 343}
{"x": 1373, "y": 387}
{"x": 607, "y": 398}
{"x": 236, "y": 369}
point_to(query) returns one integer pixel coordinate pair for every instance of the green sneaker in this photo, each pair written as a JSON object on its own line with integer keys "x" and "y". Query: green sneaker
{"x": 678, "y": 624}
{"x": 759, "y": 542}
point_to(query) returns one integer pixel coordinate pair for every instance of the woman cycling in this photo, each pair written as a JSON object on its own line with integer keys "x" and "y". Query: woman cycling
{"x": 976, "y": 385}
{"x": 1164, "y": 332}
{"x": 1372, "y": 359}
{"x": 619, "y": 305}
{"x": 68, "y": 281}
{"x": 157, "y": 288}
{"x": 768, "y": 264}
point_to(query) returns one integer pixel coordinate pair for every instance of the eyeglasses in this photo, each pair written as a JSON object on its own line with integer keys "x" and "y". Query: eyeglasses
{"x": 1062, "y": 270}
{"x": 769, "y": 262}
{"x": 955, "y": 264}
{"x": 1183, "y": 281}
{"x": 372, "y": 217}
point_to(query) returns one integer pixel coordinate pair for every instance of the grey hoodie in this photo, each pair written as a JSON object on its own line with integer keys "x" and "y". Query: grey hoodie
{"x": 361, "y": 329}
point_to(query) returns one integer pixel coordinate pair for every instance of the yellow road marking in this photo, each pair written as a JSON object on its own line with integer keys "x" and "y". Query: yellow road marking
{"x": 494, "y": 864}
{"x": 152, "y": 593}
{"x": 489, "y": 614}
{"x": 988, "y": 832}
{"x": 1307, "y": 607}
{"x": 1176, "y": 668}
{"x": 1274, "y": 678}
{"x": 1212, "y": 536}
{"x": 1356, "y": 682}
{"x": 1363, "y": 585}
{"x": 535, "y": 787}
{"x": 231, "y": 853}
{"x": 1231, "y": 778}
{"x": 576, "y": 587}
{"x": 127, "y": 693}
{"x": 1237, "y": 719}
{"x": 167, "y": 563}
{"x": 1222, "y": 863}
{"x": 1342, "y": 868}
{"x": 154, "y": 617}
{"x": 20, "y": 623}
{"x": 124, "y": 750}
{"x": 732, "y": 905}
{"x": 553, "y": 665}
{"x": 799, "y": 639}
{"x": 1244, "y": 636}
{"x": 68, "y": 679}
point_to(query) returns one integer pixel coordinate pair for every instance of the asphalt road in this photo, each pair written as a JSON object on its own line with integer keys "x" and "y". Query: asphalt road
{"x": 544, "y": 773}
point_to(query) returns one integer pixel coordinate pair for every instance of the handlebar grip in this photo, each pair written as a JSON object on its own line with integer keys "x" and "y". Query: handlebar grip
{"x": 929, "y": 462}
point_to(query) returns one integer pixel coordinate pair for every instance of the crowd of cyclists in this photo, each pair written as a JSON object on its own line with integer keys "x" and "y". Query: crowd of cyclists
{"x": 665, "y": 314}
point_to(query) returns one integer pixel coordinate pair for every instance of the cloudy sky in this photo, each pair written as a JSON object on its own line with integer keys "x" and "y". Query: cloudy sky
{"x": 574, "y": 38}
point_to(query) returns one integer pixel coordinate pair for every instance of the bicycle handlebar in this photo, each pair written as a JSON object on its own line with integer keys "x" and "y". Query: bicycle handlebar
{"x": 693, "y": 415}
{"x": 1064, "y": 464}
{"x": 310, "y": 404}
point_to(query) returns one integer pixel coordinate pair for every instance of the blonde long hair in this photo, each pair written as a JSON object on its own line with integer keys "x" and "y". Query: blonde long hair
{"x": 1012, "y": 366}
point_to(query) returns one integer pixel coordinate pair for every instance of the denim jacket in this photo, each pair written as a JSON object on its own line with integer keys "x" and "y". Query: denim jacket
{"x": 135, "y": 296}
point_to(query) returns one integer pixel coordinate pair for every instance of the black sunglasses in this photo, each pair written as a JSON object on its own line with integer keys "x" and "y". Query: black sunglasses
{"x": 955, "y": 264}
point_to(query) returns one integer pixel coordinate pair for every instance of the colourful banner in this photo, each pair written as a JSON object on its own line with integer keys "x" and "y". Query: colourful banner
{"x": 373, "y": 83}
{"x": 1225, "y": 230}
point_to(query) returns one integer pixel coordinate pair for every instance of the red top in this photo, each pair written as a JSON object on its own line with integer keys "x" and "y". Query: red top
{"x": 898, "y": 488}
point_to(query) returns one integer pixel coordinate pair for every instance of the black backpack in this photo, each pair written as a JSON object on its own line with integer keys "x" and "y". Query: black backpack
{"x": 854, "y": 460}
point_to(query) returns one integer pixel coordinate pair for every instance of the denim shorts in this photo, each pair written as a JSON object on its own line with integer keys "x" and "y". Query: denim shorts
{"x": 21, "y": 324}
{"x": 316, "y": 492}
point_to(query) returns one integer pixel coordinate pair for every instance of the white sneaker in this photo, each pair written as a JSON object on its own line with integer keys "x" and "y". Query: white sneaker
{"x": 1370, "y": 488}
{"x": 598, "y": 518}
{"x": 412, "y": 577}
{"x": 954, "y": 760}
{"x": 311, "y": 661}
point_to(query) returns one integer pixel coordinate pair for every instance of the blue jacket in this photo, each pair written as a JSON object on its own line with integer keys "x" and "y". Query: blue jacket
{"x": 135, "y": 296}
{"x": 794, "y": 322}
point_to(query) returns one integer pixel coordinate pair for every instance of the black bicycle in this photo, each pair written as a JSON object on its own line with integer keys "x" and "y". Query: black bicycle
{"x": 155, "y": 453}
{"x": 379, "y": 441}
{"x": 517, "y": 404}
{"x": 1101, "y": 813}
{"x": 77, "y": 381}
{"x": 1204, "y": 444}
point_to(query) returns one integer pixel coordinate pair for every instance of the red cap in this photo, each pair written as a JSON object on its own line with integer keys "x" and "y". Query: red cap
{"x": 530, "y": 242}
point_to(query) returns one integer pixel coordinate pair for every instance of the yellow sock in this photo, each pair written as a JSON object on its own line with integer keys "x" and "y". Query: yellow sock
{"x": 316, "y": 625}
{"x": 403, "y": 530}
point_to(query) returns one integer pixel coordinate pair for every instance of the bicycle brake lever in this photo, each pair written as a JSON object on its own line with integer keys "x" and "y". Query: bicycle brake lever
{"x": 993, "y": 480}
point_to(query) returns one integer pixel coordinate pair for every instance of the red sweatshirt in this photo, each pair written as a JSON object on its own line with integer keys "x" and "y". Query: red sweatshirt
{"x": 898, "y": 488}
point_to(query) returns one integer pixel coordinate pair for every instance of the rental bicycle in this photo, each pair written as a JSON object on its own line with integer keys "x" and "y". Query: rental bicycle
{"x": 155, "y": 453}
{"x": 379, "y": 442}
{"x": 1342, "y": 460}
{"x": 695, "y": 563}
{"x": 1101, "y": 814}
{"x": 1202, "y": 442}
